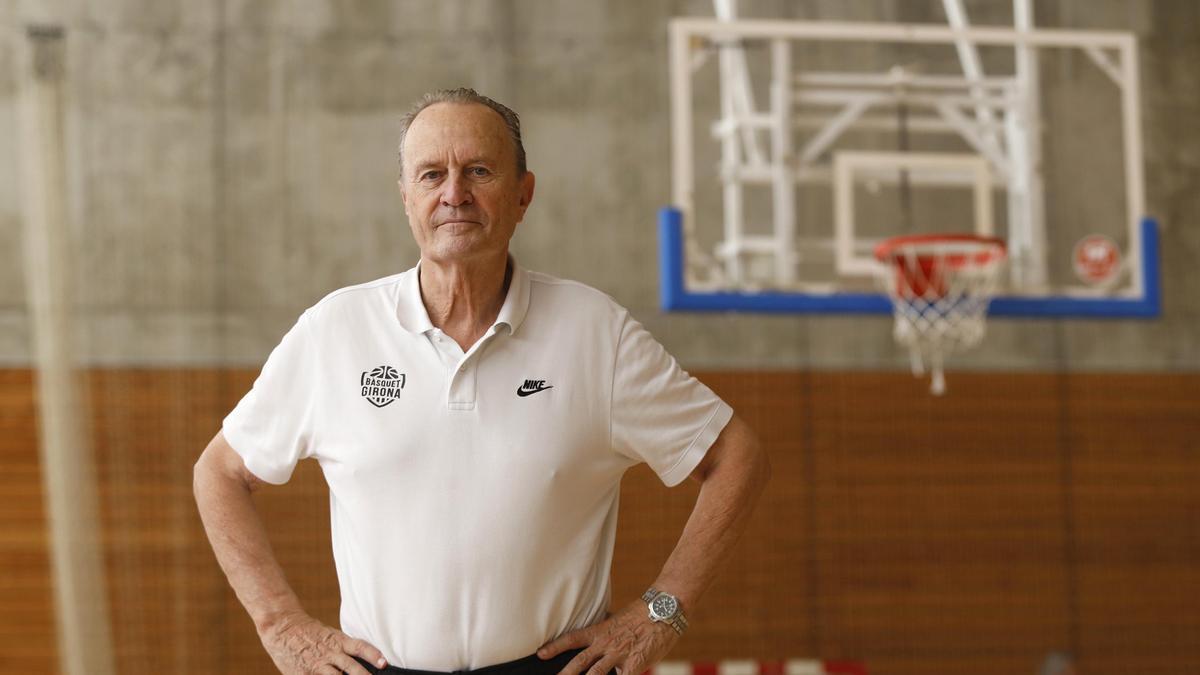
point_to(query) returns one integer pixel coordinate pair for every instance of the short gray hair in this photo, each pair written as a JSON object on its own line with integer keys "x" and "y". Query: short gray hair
{"x": 465, "y": 95}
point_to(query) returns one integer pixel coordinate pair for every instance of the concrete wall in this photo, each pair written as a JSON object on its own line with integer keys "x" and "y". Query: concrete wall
{"x": 231, "y": 161}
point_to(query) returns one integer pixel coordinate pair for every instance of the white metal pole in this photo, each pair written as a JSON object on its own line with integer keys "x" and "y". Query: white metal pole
{"x": 784, "y": 187}
{"x": 1028, "y": 134}
{"x": 1019, "y": 243}
{"x": 849, "y": 31}
{"x": 736, "y": 75}
{"x": 731, "y": 165}
{"x": 682, "y": 178}
{"x": 68, "y": 478}
{"x": 1131, "y": 127}
{"x": 968, "y": 56}
{"x": 843, "y": 212}
{"x": 983, "y": 202}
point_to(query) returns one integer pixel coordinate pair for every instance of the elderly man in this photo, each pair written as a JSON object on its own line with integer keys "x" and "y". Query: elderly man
{"x": 473, "y": 420}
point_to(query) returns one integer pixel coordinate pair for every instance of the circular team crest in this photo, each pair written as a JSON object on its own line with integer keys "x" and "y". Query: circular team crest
{"x": 381, "y": 385}
{"x": 1097, "y": 259}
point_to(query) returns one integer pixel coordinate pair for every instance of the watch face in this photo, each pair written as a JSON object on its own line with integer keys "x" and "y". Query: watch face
{"x": 664, "y": 606}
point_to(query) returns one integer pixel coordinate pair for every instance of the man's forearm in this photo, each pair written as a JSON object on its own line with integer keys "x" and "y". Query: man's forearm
{"x": 243, "y": 550}
{"x": 728, "y": 493}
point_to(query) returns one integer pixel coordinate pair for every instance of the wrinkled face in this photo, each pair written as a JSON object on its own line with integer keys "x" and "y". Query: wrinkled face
{"x": 460, "y": 185}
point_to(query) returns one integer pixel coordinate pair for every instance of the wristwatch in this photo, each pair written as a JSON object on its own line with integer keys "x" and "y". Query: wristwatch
{"x": 664, "y": 607}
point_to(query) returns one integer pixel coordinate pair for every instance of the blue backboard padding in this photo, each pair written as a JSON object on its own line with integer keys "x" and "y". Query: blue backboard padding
{"x": 675, "y": 297}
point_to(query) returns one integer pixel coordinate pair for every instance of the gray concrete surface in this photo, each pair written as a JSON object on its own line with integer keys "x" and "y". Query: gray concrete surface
{"x": 233, "y": 160}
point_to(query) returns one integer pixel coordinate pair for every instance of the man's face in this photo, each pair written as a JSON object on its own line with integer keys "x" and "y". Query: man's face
{"x": 460, "y": 185}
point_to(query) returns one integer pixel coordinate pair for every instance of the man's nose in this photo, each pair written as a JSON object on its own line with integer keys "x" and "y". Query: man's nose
{"x": 456, "y": 191}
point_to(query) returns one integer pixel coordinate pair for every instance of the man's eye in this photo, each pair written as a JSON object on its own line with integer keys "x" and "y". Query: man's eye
{"x": 478, "y": 171}
{"x": 431, "y": 175}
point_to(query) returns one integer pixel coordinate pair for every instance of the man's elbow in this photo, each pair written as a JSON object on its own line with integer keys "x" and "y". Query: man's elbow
{"x": 202, "y": 472}
{"x": 219, "y": 466}
{"x": 737, "y": 457}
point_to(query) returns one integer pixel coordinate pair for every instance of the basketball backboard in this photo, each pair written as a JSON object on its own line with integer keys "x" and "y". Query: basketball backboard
{"x": 872, "y": 130}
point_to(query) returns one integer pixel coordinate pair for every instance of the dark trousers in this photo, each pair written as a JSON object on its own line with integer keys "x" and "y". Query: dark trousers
{"x": 530, "y": 665}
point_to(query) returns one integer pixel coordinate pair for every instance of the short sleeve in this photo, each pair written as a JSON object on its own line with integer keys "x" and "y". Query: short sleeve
{"x": 660, "y": 414}
{"x": 271, "y": 427}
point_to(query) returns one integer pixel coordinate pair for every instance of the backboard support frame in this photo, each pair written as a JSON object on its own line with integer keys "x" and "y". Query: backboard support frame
{"x": 683, "y": 288}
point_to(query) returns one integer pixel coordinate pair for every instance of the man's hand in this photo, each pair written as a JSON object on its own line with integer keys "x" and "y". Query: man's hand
{"x": 301, "y": 645}
{"x": 628, "y": 641}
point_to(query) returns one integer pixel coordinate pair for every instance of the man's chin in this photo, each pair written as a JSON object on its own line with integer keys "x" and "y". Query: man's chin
{"x": 457, "y": 248}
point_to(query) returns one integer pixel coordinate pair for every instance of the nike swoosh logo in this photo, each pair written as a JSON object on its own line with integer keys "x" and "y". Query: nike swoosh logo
{"x": 522, "y": 391}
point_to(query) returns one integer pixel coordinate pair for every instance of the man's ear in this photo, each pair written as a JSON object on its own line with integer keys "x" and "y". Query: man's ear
{"x": 527, "y": 184}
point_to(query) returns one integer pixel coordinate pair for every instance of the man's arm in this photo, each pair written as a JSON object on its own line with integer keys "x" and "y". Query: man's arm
{"x": 732, "y": 475}
{"x": 296, "y": 642}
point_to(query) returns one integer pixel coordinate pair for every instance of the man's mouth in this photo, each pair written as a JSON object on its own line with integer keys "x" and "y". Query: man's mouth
{"x": 457, "y": 226}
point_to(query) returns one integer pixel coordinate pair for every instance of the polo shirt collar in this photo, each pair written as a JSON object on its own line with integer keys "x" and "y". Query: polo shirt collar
{"x": 415, "y": 319}
{"x": 516, "y": 302}
{"x": 410, "y": 309}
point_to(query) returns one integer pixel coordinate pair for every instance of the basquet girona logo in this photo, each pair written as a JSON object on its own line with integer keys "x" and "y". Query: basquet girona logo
{"x": 381, "y": 385}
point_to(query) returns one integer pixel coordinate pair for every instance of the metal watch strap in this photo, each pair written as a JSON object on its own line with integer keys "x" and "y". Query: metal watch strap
{"x": 678, "y": 622}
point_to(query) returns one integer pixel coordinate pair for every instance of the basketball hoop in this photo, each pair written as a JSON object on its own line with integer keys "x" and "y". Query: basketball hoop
{"x": 940, "y": 286}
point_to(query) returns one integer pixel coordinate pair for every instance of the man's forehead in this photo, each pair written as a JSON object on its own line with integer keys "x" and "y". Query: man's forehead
{"x": 447, "y": 126}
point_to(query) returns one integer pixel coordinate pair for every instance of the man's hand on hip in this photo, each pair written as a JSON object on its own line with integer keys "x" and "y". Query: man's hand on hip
{"x": 301, "y": 645}
{"x": 628, "y": 641}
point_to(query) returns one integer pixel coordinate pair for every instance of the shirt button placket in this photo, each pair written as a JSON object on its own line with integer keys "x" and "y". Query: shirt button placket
{"x": 462, "y": 380}
{"x": 462, "y": 387}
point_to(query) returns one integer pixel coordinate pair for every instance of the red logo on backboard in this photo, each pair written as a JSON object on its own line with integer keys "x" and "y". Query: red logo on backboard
{"x": 1097, "y": 259}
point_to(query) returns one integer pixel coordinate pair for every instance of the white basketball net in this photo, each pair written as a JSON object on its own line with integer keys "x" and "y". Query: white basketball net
{"x": 940, "y": 291}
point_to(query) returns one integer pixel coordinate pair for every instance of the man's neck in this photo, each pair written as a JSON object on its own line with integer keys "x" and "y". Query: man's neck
{"x": 463, "y": 299}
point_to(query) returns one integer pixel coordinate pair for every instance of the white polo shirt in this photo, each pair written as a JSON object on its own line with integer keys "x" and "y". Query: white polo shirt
{"x": 473, "y": 496}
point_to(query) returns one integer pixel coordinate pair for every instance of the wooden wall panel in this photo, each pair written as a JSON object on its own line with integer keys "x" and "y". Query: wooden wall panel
{"x": 939, "y": 529}
{"x": 27, "y": 639}
{"x": 166, "y": 596}
{"x": 968, "y": 534}
{"x": 1135, "y": 466}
